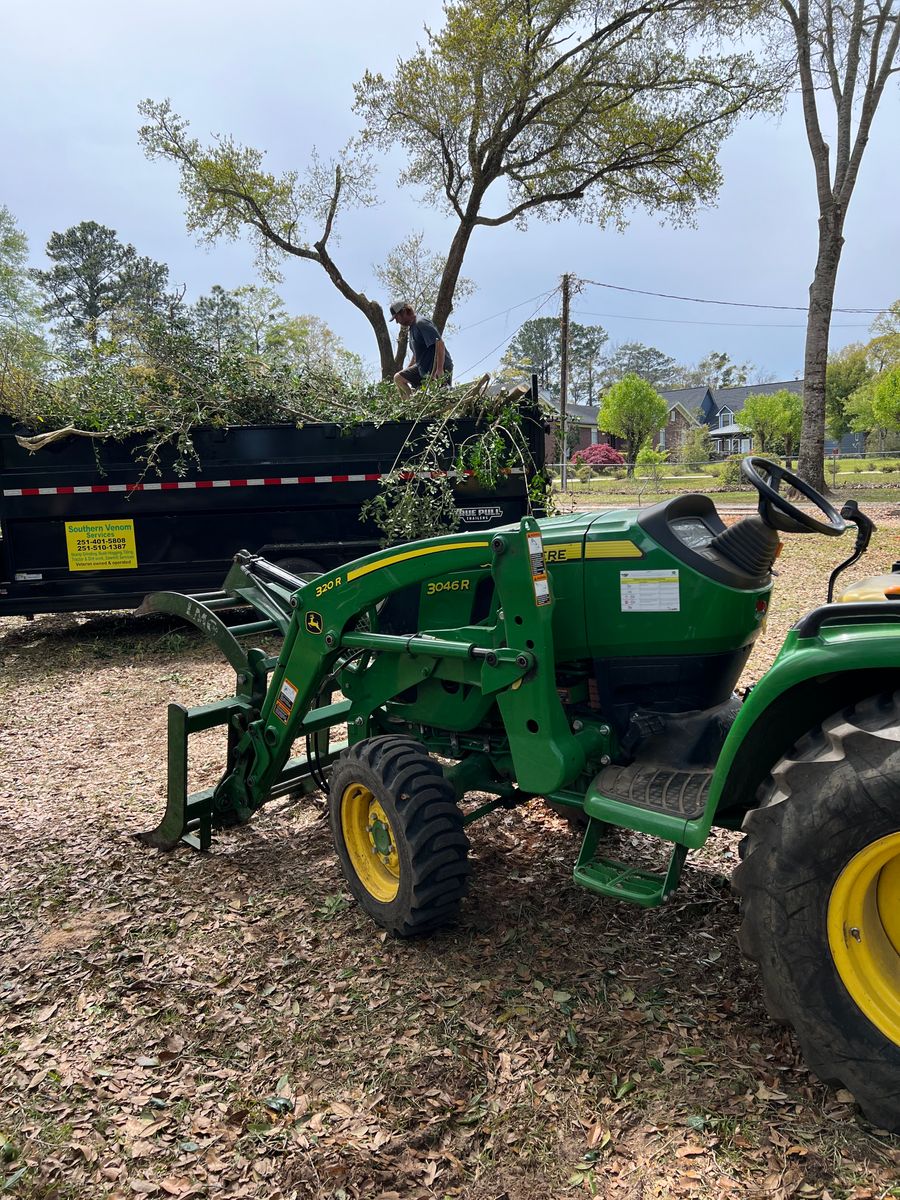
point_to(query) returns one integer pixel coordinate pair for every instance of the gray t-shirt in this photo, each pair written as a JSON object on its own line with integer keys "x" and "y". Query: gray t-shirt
{"x": 424, "y": 336}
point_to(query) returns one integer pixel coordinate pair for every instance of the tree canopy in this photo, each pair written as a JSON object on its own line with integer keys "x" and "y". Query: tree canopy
{"x": 860, "y": 385}
{"x": 537, "y": 349}
{"x": 95, "y": 280}
{"x": 512, "y": 109}
{"x": 23, "y": 348}
{"x": 717, "y": 370}
{"x": 773, "y": 419}
{"x": 633, "y": 410}
{"x": 848, "y": 370}
{"x": 650, "y": 364}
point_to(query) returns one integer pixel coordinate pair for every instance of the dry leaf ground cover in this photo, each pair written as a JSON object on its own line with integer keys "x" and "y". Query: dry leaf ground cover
{"x": 231, "y": 1025}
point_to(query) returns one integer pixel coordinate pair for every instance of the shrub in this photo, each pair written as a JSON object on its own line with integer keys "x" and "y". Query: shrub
{"x": 696, "y": 449}
{"x": 599, "y": 455}
{"x": 730, "y": 471}
{"x": 651, "y": 459}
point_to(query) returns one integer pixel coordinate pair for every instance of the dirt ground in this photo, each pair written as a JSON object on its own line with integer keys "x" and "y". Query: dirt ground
{"x": 231, "y": 1025}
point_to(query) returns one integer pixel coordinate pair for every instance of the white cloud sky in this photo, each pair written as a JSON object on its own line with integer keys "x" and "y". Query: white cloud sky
{"x": 279, "y": 75}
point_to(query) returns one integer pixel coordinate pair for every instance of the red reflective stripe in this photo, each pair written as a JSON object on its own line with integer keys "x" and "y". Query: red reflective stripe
{"x": 183, "y": 485}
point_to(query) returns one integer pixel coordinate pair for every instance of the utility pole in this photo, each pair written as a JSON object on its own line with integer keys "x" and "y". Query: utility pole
{"x": 564, "y": 379}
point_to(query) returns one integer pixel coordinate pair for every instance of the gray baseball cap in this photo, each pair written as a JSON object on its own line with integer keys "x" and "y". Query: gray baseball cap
{"x": 398, "y": 307}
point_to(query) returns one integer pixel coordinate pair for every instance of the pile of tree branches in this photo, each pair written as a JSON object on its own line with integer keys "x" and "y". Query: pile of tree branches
{"x": 165, "y": 386}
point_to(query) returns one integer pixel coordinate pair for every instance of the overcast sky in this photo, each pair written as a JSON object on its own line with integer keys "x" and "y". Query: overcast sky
{"x": 279, "y": 75}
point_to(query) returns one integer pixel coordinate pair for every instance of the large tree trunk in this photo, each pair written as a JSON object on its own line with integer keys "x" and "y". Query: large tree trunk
{"x": 811, "y": 459}
{"x": 444, "y": 304}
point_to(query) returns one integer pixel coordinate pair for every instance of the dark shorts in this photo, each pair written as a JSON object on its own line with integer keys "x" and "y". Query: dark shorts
{"x": 415, "y": 380}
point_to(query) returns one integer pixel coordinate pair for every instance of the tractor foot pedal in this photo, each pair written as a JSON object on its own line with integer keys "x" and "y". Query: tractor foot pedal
{"x": 619, "y": 881}
{"x": 655, "y": 787}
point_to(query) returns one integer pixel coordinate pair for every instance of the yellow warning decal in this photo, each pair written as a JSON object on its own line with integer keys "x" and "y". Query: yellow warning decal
{"x": 621, "y": 549}
{"x": 562, "y": 552}
{"x": 574, "y": 552}
{"x": 100, "y": 545}
{"x": 396, "y": 558}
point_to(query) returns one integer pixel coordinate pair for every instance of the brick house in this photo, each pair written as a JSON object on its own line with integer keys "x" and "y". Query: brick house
{"x": 682, "y": 416}
{"x": 581, "y": 427}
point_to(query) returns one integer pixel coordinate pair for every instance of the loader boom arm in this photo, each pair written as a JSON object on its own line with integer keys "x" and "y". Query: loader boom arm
{"x": 510, "y": 657}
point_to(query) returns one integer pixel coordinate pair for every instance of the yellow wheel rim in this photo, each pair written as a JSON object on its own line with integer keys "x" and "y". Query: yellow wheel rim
{"x": 864, "y": 932}
{"x": 370, "y": 842}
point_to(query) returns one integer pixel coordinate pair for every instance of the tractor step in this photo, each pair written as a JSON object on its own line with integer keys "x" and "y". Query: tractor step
{"x": 654, "y": 787}
{"x": 619, "y": 881}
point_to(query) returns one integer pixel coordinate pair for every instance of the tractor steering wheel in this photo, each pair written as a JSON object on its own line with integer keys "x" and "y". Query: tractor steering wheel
{"x": 779, "y": 513}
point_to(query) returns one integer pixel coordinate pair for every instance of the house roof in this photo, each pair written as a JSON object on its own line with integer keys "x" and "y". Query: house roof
{"x": 734, "y": 398}
{"x": 728, "y": 431}
{"x": 688, "y": 398}
{"x": 711, "y": 401}
{"x": 583, "y": 414}
{"x": 685, "y": 412}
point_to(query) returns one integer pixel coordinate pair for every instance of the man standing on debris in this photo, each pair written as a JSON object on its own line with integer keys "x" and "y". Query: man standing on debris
{"x": 430, "y": 359}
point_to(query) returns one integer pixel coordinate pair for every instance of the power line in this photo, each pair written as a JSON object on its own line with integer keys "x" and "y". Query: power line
{"x": 676, "y": 321}
{"x": 728, "y": 303}
{"x": 547, "y": 297}
{"x": 505, "y": 313}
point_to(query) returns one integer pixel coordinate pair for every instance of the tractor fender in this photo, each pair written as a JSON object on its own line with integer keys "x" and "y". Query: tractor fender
{"x": 812, "y": 677}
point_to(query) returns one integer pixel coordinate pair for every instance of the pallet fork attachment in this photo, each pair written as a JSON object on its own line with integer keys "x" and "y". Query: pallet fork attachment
{"x": 191, "y": 817}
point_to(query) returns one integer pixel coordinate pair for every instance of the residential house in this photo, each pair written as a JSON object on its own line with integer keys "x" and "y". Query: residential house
{"x": 683, "y": 415}
{"x": 688, "y": 408}
{"x": 581, "y": 427}
{"x": 717, "y": 408}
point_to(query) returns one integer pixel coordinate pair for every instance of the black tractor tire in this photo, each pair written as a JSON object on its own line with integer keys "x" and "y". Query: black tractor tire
{"x": 398, "y": 832}
{"x": 826, "y": 835}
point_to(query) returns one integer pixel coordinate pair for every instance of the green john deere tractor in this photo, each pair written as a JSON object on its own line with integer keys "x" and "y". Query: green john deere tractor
{"x": 591, "y": 660}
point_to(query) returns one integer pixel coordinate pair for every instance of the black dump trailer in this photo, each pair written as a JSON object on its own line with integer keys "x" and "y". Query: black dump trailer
{"x": 83, "y": 529}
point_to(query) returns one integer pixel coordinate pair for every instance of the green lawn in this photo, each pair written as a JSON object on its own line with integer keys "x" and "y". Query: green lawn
{"x": 856, "y": 481}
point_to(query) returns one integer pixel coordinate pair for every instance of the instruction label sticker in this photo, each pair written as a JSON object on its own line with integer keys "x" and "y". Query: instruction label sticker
{"x": 650, "y": 591}
{"x": 538, "y": 569}
{"x": 100, "y": 545}
{"x": 285, "y": 701}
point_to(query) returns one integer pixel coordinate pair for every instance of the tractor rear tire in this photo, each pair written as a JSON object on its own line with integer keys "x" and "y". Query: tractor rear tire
{"x": 820, "y": 900}
{"x": 398, "y": 832}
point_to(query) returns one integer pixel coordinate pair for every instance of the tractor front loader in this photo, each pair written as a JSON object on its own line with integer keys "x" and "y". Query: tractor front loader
{"x": 591, "y": 659}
